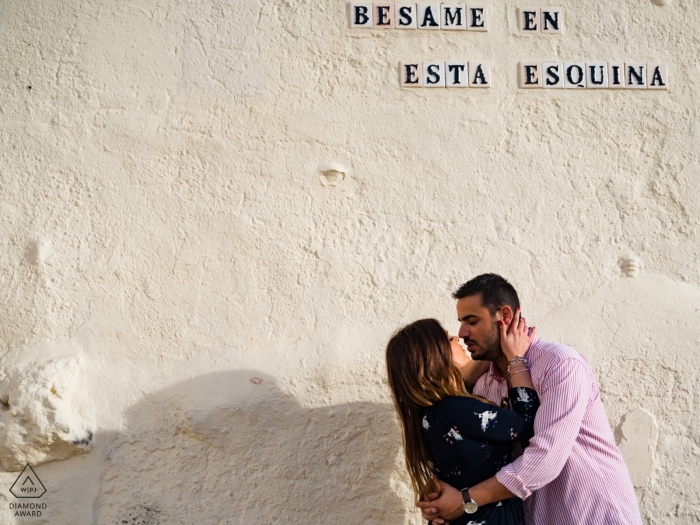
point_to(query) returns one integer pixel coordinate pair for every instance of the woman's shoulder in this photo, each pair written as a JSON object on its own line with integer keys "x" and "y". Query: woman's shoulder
{"x": 456, "y": 402}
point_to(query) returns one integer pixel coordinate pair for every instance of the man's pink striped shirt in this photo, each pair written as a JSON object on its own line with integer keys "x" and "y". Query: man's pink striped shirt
{"x": 572, "y": 472}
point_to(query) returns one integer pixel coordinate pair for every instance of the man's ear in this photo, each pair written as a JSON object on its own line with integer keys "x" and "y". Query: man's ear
{"x": 506, "y": 314}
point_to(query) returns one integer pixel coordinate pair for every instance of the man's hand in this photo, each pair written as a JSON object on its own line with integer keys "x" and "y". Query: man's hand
{"x": 448, "y": 506}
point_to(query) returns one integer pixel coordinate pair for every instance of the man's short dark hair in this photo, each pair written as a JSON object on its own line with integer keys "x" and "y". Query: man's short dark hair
{"x": 495, "y": 292}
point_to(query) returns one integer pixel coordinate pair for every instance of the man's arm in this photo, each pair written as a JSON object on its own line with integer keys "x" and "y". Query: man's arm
{"x": 564, "y": 396}
{"x": 449, "y": 506}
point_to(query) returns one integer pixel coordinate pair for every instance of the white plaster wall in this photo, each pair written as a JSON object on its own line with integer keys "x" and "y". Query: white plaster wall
{"x": 165, "y": 223}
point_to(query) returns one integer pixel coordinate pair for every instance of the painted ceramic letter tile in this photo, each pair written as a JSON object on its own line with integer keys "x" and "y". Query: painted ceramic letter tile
{"x": 551, "y": 20}
{"x": 428, "y": 16}
{"x": 361, "y": 15}
{"x": 456, "y": 74}
{"x": 479, "y": 74}
{"x": 477, "y": 18}
{"x": 596, "y": 75}
{"x": 635, "y": 75}
{"x": 575, "y": 74}
{"x": 616, "y": 75}
{"x": 529, "y": 19}
{"x": 552, "y": 75}
{"x": 530, "y": 75}
{"x": 454, "y": 17}
{"x": 657, "y": 76}
{"x": 383, "y": 15}
{"x": 433, "y": 74}
{"x": 411, "y": 74}
{"x": 406, "y": 16}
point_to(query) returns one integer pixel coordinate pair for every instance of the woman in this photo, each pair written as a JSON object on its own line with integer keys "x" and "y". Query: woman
{"x": 449, "y": 434}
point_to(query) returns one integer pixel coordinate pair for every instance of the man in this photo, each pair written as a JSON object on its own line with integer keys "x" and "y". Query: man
{"x": 571, "y": 472}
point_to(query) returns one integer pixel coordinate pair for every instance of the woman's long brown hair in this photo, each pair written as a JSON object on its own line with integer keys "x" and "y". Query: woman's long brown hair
{"x": 421, "y": 374}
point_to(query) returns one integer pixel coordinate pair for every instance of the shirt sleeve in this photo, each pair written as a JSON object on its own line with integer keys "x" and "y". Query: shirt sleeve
{"x": 564, "y": 396}
{"x": 473, "y": 419}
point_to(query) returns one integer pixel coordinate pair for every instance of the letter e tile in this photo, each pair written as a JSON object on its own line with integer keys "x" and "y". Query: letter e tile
{"x": 411, "y": 74}
{"x": 530, "y": 75}
{"x": 383, "y": 16}
{"x": 553, "y": 75}
{"x": 657, "y": 76}
{"x": 477, "y": 18}
{"x": 361, "y": 15}
{"x": 529, "y": 19}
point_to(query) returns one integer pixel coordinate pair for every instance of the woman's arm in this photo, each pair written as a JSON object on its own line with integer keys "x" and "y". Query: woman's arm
{"x": 473, "y": 370}
{"x": 466, "y": 417}
{"x": 515, "y": 342}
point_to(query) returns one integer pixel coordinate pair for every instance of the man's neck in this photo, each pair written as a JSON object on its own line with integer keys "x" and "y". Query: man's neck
{"x": 502, "y": 363}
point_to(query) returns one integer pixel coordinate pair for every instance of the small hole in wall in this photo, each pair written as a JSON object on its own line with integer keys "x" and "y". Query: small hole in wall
{"x": 333, "y": 174}
{"x": 332, "y": 177}
{"x": 29, "y": 88}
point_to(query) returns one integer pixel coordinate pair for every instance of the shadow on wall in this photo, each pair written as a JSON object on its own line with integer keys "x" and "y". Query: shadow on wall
{"x": 225, "y": 448}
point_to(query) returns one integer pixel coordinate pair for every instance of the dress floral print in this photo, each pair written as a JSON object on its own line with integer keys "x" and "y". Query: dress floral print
{"x": 469, "y": 441}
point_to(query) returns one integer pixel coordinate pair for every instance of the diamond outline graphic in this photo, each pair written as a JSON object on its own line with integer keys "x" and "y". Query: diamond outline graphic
{"x": 29, "y": 477}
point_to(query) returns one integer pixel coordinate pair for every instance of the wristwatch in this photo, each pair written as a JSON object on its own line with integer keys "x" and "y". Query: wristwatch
{"x": 470, "y": 506}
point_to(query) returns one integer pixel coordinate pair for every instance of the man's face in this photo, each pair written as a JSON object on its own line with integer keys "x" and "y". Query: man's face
{"x": 479, "y": 329}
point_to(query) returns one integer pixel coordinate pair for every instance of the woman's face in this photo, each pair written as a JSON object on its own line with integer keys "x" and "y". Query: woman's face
{"x": 459, "y": 356}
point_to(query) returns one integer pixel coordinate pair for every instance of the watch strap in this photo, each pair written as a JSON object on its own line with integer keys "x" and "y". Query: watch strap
{"x": 470, "y": 506}
{"x": 466, "y": 497}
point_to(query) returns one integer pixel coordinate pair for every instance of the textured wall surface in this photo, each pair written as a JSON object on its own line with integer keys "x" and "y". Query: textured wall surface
{"x": 166, "y": 227}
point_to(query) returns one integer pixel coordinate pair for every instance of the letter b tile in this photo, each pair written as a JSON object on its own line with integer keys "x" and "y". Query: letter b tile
{"x": 361, "y": 15}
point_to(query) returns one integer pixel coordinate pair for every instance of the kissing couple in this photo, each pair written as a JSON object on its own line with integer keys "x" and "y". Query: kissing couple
{"x": 516, "y": 435}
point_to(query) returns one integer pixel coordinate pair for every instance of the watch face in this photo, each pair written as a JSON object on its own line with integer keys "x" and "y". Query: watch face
{"x": 470, "y": 507}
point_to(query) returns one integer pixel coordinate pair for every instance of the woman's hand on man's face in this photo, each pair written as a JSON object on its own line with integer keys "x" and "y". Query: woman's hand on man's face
{"x": 516, "y": 336}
